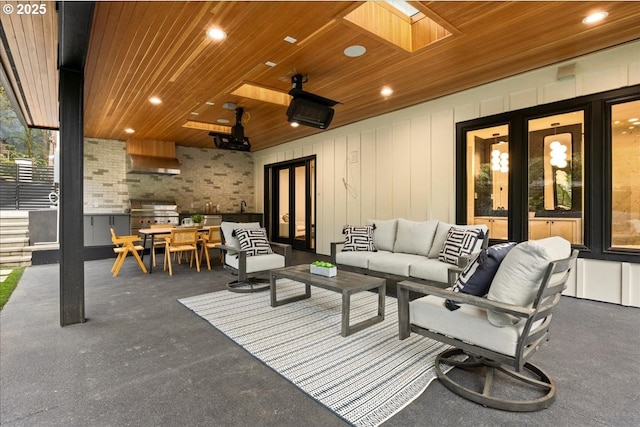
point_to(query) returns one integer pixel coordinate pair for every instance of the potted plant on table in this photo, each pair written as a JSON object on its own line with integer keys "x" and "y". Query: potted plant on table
{"x": 324, "y": 268}
{"x": 197, "y": 220}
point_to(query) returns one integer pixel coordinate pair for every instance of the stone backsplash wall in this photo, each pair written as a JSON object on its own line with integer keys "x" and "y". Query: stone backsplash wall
{"x": 224, "y": 178}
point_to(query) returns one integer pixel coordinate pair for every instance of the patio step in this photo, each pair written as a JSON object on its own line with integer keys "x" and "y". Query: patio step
{"x": 14, "y": 239}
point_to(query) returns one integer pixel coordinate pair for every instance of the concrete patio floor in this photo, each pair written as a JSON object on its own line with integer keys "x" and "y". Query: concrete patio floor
{"x": 143, "y": 359}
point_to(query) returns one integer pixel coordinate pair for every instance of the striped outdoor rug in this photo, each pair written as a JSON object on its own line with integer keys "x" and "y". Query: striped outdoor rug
{"x": 365, "y": 378}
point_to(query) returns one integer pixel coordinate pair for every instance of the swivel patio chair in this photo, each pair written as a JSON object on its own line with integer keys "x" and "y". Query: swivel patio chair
{"x": 251, "y": 263}
{"x": 494, "y": 360}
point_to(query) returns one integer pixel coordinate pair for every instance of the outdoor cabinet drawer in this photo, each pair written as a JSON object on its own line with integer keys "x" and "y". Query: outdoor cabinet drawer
{"x": 97, "y": 228}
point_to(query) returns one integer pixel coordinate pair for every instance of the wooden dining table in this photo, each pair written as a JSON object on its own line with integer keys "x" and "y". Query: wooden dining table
{"x": 146, "y": 232}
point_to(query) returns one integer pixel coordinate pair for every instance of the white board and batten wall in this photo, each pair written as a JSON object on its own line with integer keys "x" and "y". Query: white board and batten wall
{"x": 402, "y": 164}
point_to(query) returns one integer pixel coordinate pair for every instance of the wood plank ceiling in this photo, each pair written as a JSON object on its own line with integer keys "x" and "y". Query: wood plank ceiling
{"x": 143, "y": 49}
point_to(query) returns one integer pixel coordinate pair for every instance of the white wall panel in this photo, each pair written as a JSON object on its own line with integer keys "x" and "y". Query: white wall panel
{"x": 557, "y": 90}
{"x": 491, "y": 106}
{"x": 420, "y": 168}
{"x": 466, "y": 112}
{"x": 442, "y": 166}
{"x": 340, "y": 197}
{"x": 523, "y": 99}
{"x": 354, "y": 190}
{"x": 328, "y": 227}
{"x": 602, "y": 80}
{"x": 368, "y": 175}
{"x": 604, "y": 279}
{"x": 317, "y": 150}
{"x": 401, "y": 174}
{"x": 384, "y": 190}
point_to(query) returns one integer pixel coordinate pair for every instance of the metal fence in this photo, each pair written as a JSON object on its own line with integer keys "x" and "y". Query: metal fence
{"x": 25, "y": 187}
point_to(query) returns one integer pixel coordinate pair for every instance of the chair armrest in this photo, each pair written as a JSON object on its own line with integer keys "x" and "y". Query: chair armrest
{"x": 228, "y": 248}
{"x": 287, "y": 252}
{"x": 463, "y": 298}
{"x": 334, "y": 250}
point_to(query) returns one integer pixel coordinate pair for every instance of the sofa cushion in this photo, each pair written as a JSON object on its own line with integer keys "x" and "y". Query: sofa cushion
{"x": 415, "y": 237}
{"x": 227, "y": 231}
{"x": 356, "y": 259}
{"x": 476, "y": 277}
{"x": 469, "y": 324}
{"x": 521, "y": 272}
{"x": 430, "y": 269}
{"x": 460, "y": 241}
{"x": 257, "y": 263}
{"x": 441, "y": 236}
{"x": 358, "y": 238}
{"x": 384, "y": 233}
{"x": 393, "y": 263}
{"x": 254, "y": 241}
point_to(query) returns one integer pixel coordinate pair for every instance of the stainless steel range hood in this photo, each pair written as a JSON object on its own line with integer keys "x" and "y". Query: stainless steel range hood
{"x": 137, "y": 163}
{"x": 152, "y": 157}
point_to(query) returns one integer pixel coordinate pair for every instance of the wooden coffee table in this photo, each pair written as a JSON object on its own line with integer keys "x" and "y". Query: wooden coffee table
{"x": 346, "y": 283}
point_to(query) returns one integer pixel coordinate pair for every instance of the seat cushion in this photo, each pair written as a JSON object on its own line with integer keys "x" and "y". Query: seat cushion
{"x": 384, "y": 233}
{"x": 430, "y": 269}
{"x": 393, "y": 263}
{"x": 356, "y": 259}
{"x": 257, "y": 263}
{"x": 415, "y": 237}
{"x": 468, "y": 324}
{"x": 520, "y": 274}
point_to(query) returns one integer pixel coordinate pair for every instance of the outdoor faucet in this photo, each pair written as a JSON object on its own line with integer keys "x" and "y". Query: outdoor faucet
{"x": 243, "y": 206}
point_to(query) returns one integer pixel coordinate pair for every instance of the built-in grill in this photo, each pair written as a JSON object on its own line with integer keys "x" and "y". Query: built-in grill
{"x": 147, "y": 212}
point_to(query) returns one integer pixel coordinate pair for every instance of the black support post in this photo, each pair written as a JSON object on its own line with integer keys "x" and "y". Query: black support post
{"x": 74, "y": 30}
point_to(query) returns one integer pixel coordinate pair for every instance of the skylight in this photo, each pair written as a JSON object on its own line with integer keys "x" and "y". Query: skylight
{"x": 404, "y": 7}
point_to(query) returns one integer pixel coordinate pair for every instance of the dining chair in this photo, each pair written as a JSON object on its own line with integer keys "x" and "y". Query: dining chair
{"x": 124, "y": 245}
{"x": 158, "y": 241}
{"x": 181, "y": 240}
{"x": 210, "y": 240}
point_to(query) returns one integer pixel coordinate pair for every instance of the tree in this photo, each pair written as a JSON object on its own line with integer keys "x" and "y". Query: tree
{"x": 16, "y": 141}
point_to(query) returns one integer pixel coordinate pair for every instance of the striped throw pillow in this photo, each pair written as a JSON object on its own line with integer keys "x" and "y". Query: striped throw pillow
{"x": 460, "y": 241}
{"x": 254, "y": 241}
{"x": 358, "y": 238}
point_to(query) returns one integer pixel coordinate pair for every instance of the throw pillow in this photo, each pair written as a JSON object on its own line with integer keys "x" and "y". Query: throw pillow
{"x": 358, "y": 238}
{"x": 477, "y": 276}
{"x": 384, "y": 233}
{"x": 415, "y": 237}
{"x": 441, "y": 237}
{"x": 520, "y": 274}
{"x": 460, "y": 241}
{"x": 254, "y": 241}
{"x": 229, "y": 236}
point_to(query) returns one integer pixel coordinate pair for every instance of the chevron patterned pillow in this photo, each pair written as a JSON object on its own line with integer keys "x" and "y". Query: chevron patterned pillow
{"x": 358, "y": 238}
{"x": 254, "y": 241}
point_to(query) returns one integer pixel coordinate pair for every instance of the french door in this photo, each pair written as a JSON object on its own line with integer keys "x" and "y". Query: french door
{"x": 290, "y": 202}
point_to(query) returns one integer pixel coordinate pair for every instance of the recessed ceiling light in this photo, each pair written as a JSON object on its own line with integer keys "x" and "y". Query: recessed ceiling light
{"x": 155, "y": 100}
{"x": 223, "y": 121}
{"x": 386, "y": 91}
{"x": 210, "y": 103}
{"x": 290, "y": 39}
{"x": 129, "y": 130}
{"x": 595, "y": 17}
{"x": 216, "y": 34}
{"x": 633, "y": 119}
{"x": 294, "y": 124}
{"x": 194, "y": 113}
{"x": 355, "y": 51}
{"x": 270, "y": 63}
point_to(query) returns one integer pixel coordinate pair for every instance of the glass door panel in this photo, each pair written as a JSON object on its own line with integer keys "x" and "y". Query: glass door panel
{"x": 299, "y": 203}
{"x": 555, "y": 176}
{"x": 488, "y": 179}
{"x": 625, "y": 181}
{"x": 283, "y": 204}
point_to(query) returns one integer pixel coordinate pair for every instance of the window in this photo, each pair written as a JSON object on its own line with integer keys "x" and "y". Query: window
{"x": 565, "y": 169}
{"x": 488, "y": 160}
{"x": 555, "y": 176}
{"x": 625, "y": 180}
